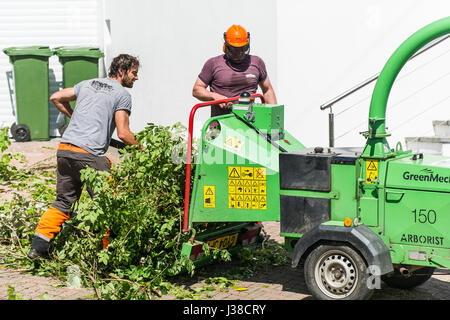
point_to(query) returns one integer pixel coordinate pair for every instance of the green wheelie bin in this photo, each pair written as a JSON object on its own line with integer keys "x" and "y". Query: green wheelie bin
{"x": 79, "y": 63}
{"x": 31, "y": 82}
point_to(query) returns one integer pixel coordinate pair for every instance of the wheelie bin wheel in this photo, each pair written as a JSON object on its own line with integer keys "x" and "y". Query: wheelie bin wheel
{"x": 337, "y": 272}
{"x": 20, "y": 132}
{"x": 13, "y": 127}
{"x": 414, "y": 279}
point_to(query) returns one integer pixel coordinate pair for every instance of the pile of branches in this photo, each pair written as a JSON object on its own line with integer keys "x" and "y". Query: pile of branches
{"x": 138, "y": 207}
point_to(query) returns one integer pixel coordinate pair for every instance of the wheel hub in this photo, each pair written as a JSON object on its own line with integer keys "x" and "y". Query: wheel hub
{"x": 21, "y": 133}
{"x": 336, "y": 275}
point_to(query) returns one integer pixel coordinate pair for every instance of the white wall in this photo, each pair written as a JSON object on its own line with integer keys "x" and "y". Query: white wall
{"x": 173, "y": 39}
{"x": 314, "y": 50}
{"x": 326, "y": 47}
{"x": 47, "y": 23}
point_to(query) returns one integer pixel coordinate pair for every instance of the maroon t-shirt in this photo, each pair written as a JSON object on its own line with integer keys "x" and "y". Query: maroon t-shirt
{"x": 230, "y": 79}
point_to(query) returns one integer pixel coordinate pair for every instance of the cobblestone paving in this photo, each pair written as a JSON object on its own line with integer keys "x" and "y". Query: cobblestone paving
{"x": 286, "y": 283}
{"x": 278, "y": 283}
{"x": 31, "y": 287}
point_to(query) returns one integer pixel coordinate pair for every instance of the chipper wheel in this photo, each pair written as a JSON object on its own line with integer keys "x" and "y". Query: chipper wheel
{"x": 413, "y": 279}
{"x": 337, "y": 272}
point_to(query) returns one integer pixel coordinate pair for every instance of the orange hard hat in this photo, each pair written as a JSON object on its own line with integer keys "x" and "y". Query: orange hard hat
{"x": 236, "y": 36}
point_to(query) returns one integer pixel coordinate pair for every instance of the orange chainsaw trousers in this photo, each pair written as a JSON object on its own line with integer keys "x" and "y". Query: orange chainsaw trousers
{"x": 70, "y": 161}
{"x": 50, "y": 223}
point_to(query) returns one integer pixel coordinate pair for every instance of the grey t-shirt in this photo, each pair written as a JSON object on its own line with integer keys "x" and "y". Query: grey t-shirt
{"x": 92, "y": 123}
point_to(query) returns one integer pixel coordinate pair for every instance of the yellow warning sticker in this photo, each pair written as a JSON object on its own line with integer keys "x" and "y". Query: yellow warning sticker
{"x": 232, "y": 187}
{"x": 260, "y": 173}
{"x": 247, "y": 188}
{"x": 209, "y": 196}
{"x": 371, "y": 171}
{"x": 247, "y": 173}
{"x": 234, "y": 173}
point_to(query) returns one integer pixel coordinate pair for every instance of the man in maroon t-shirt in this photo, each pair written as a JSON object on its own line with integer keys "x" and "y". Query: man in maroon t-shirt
{"x": 232, "y": 73}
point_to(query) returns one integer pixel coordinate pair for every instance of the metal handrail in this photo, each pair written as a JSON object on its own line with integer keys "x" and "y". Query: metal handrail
{"x": 345, "y": 94}
{"x": 375, "y": 77}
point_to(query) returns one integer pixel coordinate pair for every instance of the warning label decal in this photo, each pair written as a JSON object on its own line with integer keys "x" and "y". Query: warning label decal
{"x": 233, "y": 143}
{"x": 247, "y": 188}
{"x": 209, "y": 196}
{"x": 371, "y": 171}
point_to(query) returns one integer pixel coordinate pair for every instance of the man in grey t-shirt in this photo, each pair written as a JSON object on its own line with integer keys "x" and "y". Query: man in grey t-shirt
{"x": 97, "y": 99}
{"x": 102, "y": 105}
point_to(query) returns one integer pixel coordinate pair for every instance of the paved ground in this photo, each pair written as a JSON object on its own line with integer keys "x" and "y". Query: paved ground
{"x": 278, "y": 283}
{"x": 31, "y": 287}
{"x": 286, "y": 283}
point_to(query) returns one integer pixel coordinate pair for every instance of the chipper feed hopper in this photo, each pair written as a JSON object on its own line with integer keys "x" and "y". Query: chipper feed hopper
{"x": 236, "y": 177}
{"x": 353, "y": 216}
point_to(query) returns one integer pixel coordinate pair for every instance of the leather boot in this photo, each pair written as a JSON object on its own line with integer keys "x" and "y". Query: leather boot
{"x": 40, "y": 248}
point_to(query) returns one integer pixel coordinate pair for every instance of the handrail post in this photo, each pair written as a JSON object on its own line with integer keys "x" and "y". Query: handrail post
{"x": 331, "y": 128}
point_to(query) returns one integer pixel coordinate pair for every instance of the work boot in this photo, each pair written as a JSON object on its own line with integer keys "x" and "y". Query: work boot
{"x": 40, "y": 248}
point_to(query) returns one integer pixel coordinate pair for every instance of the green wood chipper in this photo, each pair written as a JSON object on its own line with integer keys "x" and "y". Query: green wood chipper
{"x": 353, "y": 216}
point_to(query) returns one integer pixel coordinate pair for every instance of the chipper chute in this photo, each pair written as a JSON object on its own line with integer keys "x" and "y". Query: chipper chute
{"x": 236, "y": 183}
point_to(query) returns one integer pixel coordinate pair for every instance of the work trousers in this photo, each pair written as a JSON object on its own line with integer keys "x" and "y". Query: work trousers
{"x": 68, "y": 189}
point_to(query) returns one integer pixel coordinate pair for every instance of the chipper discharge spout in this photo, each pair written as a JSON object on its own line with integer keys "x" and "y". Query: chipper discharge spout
{"x": 236, "y": 176}
{"x": 412, "y": 190}
{"x": 358, "y": 215}
{"x": 377, "y": 146}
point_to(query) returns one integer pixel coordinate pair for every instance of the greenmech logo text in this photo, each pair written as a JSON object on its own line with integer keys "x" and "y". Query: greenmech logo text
{"x": 426, "y": 175}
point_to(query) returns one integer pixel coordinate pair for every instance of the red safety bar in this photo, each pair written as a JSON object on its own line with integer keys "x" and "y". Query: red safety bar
{"x": 189, "y": 149}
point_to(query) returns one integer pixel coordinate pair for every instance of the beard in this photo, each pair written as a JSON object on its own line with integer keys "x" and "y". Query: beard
{"x": 127, "y": 82}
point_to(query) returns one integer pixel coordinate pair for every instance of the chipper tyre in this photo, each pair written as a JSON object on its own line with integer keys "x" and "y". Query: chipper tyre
{"x": 337, "y": 273}
{"x": 416, "y": 278}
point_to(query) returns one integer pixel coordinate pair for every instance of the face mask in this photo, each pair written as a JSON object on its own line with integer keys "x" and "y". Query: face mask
{"x": 236, "y": 54}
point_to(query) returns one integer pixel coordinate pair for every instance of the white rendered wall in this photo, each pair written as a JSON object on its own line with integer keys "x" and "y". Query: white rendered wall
{"x": 173, "y": 39}
{"x": 314, "y": 50}
{"x": 50, "y": 23}
{"x": 326, "y": 47}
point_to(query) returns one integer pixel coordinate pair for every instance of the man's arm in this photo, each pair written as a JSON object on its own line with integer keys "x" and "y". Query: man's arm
{"x": 61, "y": 100}
{"x": 123, "y": 127}
{"x": 268, "y": 92}
{"x": 201, "y": 93}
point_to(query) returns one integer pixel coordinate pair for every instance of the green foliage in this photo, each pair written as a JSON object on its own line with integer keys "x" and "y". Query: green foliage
{"x": 270, "y": 255}
{"x": 12, "y": 295}
{"x": 141, "y": 202}
{"x": 6, "y": 169}
{"x": 34, "y": 192}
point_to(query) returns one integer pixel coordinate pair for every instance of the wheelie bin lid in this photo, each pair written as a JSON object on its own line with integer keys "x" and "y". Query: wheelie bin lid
{"x": 78, "y": 51}
{"x": 43, "y": 51}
